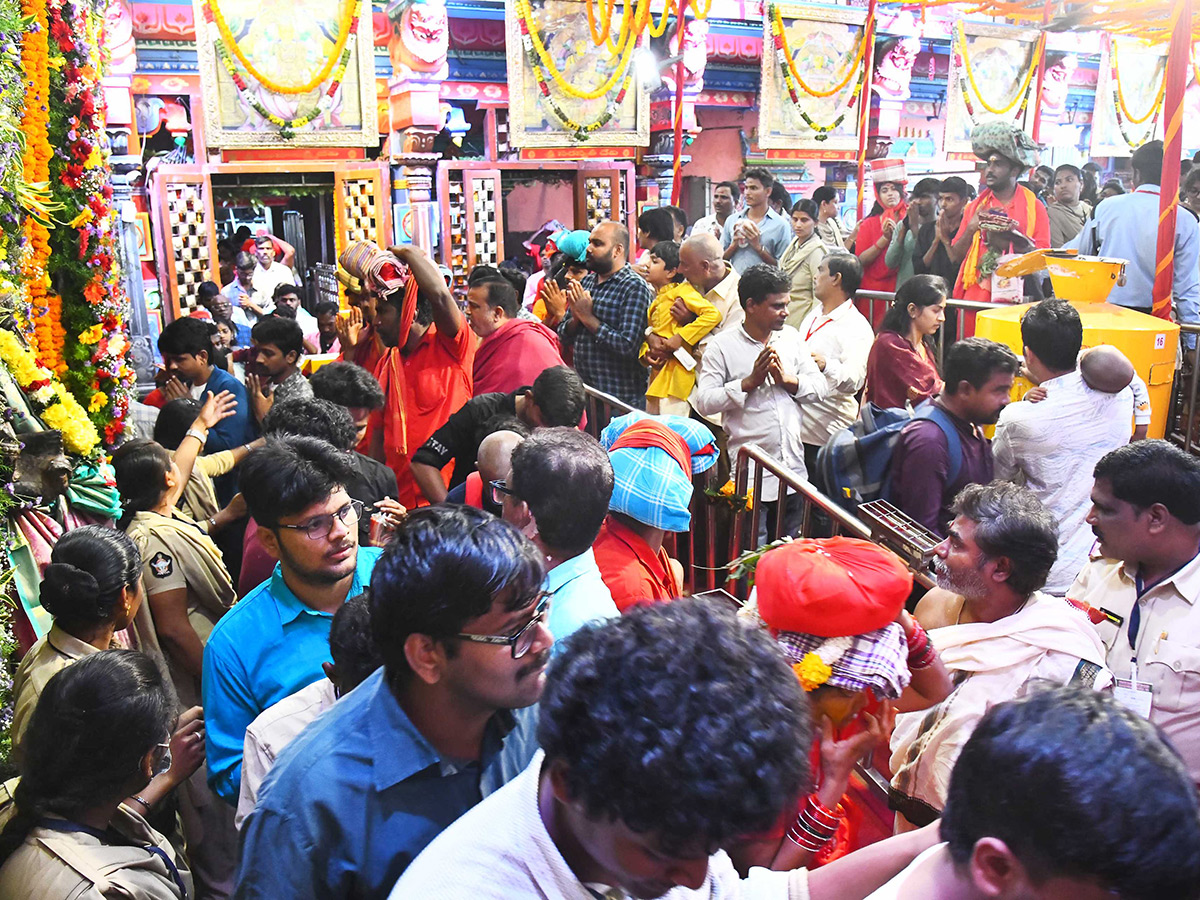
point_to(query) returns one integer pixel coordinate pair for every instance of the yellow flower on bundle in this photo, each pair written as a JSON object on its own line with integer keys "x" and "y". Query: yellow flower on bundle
{"x": 97, "y": 402}
{"x": 812, "y": 671}
{"x": 92, "y": 335}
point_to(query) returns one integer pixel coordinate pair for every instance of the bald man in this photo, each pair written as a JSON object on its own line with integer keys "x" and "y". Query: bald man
{"x": 493, "y": 463}
{"x": 701, "y": 261}
{"x": 606, "y": 317}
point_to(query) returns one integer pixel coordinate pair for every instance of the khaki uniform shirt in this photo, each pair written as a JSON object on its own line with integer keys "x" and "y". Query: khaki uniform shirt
{"x": 49, "y": 656}
{"x": 1167, "y": 645}
{"x": 78, "y": 865}
{"x": 199, "y": 499}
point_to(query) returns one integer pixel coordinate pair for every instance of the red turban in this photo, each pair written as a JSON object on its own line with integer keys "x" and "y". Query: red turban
{"x": 831, "y": 587}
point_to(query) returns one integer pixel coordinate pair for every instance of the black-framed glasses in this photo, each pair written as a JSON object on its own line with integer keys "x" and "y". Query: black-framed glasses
{"x": 520, "y": 642}
{"x": 500, "y": 490}
{"x": 318, "y": 527}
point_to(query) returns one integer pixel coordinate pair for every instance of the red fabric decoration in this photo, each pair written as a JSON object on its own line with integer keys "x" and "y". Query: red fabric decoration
{"x": 831, "y": 587}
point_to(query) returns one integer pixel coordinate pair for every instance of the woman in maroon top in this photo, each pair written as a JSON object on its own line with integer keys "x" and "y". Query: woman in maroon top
{"x": 900, "y": 367}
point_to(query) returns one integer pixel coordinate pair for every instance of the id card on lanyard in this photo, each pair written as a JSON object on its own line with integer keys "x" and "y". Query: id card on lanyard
{"x": 1134, "y": 695}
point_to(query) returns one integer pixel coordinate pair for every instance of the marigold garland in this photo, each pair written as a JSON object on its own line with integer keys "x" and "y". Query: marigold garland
{"x": 1022, "y": 91}
{"x": 55, "y": 405}
{"x": 347, "y": 25}
{"x": 36, "y": 158}
{"x": 627, "y": 44}
{"x": 784, "y": 52}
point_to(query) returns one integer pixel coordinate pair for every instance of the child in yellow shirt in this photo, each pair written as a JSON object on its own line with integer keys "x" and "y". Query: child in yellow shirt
{"x": 668, "y": 347}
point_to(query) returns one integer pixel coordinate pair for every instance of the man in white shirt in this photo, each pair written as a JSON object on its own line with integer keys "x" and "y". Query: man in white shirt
{"x": 1052, "y": 446}
{"x": 756, "y": 377}
{"x": 1095, "y": 804}
{"x": 244, "y": 294}
{"x": 701, "y": 263}
{"x": 839, "y": 338}
{"x": 725, "y": 197}
{"x": 354, "y": 658}
{"x": 269, "y": 274}
{"x": 666, "y": 733}
{"x": 287, "y": 303}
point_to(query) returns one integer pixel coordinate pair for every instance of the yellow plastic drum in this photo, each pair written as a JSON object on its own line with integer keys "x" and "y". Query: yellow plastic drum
{"x": 1150, "y": 343}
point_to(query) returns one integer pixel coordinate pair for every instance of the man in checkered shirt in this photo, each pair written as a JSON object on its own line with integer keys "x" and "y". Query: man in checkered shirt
{"x": 606, "y": 318}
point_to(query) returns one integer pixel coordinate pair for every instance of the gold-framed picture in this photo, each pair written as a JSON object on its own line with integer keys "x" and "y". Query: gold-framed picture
{"x": 554, "y": 116}
{"x": 826, "y": 51}
{"x": 287, "y": 45}
{"x": 1141, "y": 68}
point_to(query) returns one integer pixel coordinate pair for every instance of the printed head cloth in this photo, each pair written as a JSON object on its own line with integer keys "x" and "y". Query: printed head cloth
{"x": 832, "y": 604}
{"x": 1006, "y": 139}
{"x": 653, "y": 460}
{"x": 572, "y": 243}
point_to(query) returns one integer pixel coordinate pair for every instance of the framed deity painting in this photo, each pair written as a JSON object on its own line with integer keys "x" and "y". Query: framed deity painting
{"x": 299, "y": 74}
{"x": 1129, "y": 97}
{"x": 813, "y": 68}
{"x": 993, "y": 77}
{"x": 564, "y": 90}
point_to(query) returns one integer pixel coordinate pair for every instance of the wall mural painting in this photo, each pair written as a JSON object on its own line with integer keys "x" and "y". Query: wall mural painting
{"x": 300, "y": 73}
{"x": 813, "y": 68}
{"x": 564, "y": 89}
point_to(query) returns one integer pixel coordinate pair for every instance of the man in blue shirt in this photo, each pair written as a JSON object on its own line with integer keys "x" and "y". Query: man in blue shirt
{"x": 1124, "y": 228}
{"x": 186, "y": 348}
{"x": 756, "y": 234}
{"x": 558, "y": 494}
{"x": 606, "y": 319}
{"x": 458, "y": 616}
{"x": 275, "y": 640}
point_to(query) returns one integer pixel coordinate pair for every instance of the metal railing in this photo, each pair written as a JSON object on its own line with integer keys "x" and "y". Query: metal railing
{"x": 1183, "y": 417}
{"x": 878, "y": 303}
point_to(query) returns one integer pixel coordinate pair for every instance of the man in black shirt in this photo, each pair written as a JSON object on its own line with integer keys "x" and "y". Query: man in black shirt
{"x": 930, "y": 254}
{"x": 556, "y": 398}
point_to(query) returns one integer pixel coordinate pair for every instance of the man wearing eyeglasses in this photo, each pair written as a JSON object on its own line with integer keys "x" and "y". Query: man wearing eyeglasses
{"x": 273, "y": 642}
{"x": 458, "y": 616}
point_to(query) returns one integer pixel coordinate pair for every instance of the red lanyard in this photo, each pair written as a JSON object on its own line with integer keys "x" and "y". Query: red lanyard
{"x": 812, "y": 330}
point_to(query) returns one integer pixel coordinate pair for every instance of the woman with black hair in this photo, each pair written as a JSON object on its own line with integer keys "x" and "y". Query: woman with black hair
{"x": 801, "y": 260}
{"x": 188, "y": 587}
{"x": 901, "y": 367}
{"x": 93, "y": 589}
{"x": 100, "y": 734}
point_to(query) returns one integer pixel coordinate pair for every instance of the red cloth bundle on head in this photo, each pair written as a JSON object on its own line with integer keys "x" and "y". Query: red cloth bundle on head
{"x": 891, "y": 171}
{"x": 830, "y": 587}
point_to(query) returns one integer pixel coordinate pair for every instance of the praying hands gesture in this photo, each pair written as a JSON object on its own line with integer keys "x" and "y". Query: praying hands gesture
{"x": 555, "y": 299}
{"x": 581, "y": 307}
{"x": 174, "y": 389}
{"x": 258, "y": 389}
{"x": 349, "y": 325}
{"x": 762, "y": 367}
{"x": 789, "y": 383}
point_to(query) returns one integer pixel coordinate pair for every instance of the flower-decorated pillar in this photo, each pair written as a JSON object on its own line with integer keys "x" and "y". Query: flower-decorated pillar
{"x": 418, "y": 46}
{"x": 656, "y": 185}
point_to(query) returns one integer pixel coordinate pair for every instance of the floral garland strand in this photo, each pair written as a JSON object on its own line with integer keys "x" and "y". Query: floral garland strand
{"x": 783, "y": 53}
{"x": 1121, "y": 111}
{"x": 628, "y": 43}
{"x": 580, "y": 131}
{"x": 347, "y": 26}
{"x": 84, "y": 266}
{"x": 53, "y": 403}
{"x": 13, "y": 187}
{"x": 35, "y": 63}
{"x": 964, "y": 67}
{"x": 287, "y": 127}
{"x": 783, "y": 57}
{"x": 965, "y": 91}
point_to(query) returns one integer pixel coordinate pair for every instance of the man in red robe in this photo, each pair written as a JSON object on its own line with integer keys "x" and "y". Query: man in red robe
{"x": 1005, "y": 218}
{"x": 512, "y": 351}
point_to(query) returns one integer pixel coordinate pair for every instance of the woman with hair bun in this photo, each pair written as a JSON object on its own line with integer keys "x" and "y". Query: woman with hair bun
{"x": 99, "y": 735}
{"x": 93, "y": 589}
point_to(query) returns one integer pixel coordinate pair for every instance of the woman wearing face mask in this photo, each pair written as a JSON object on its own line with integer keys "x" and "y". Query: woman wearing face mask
{"x": 99, "y": 735}
{"x": 874, "y": 233}
{"x": 836, "y": 607}
{"x": 801, "y": 260}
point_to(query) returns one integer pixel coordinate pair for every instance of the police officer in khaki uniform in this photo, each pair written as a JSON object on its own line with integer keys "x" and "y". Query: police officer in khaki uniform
{"x": 1143, "y": 583}
{"x": 99, "y": 735}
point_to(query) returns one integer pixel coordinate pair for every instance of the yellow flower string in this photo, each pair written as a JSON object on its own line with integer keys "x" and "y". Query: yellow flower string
{"x": 349, "y": 8}
{"x": 851, "y": 70}
{"x": 627, "y": 46}
{"x": 1162, "y": 92}
{"x": 1037, "y": 62}
{"x": 603, "y": 35}
{"x": 670, "y": 7}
